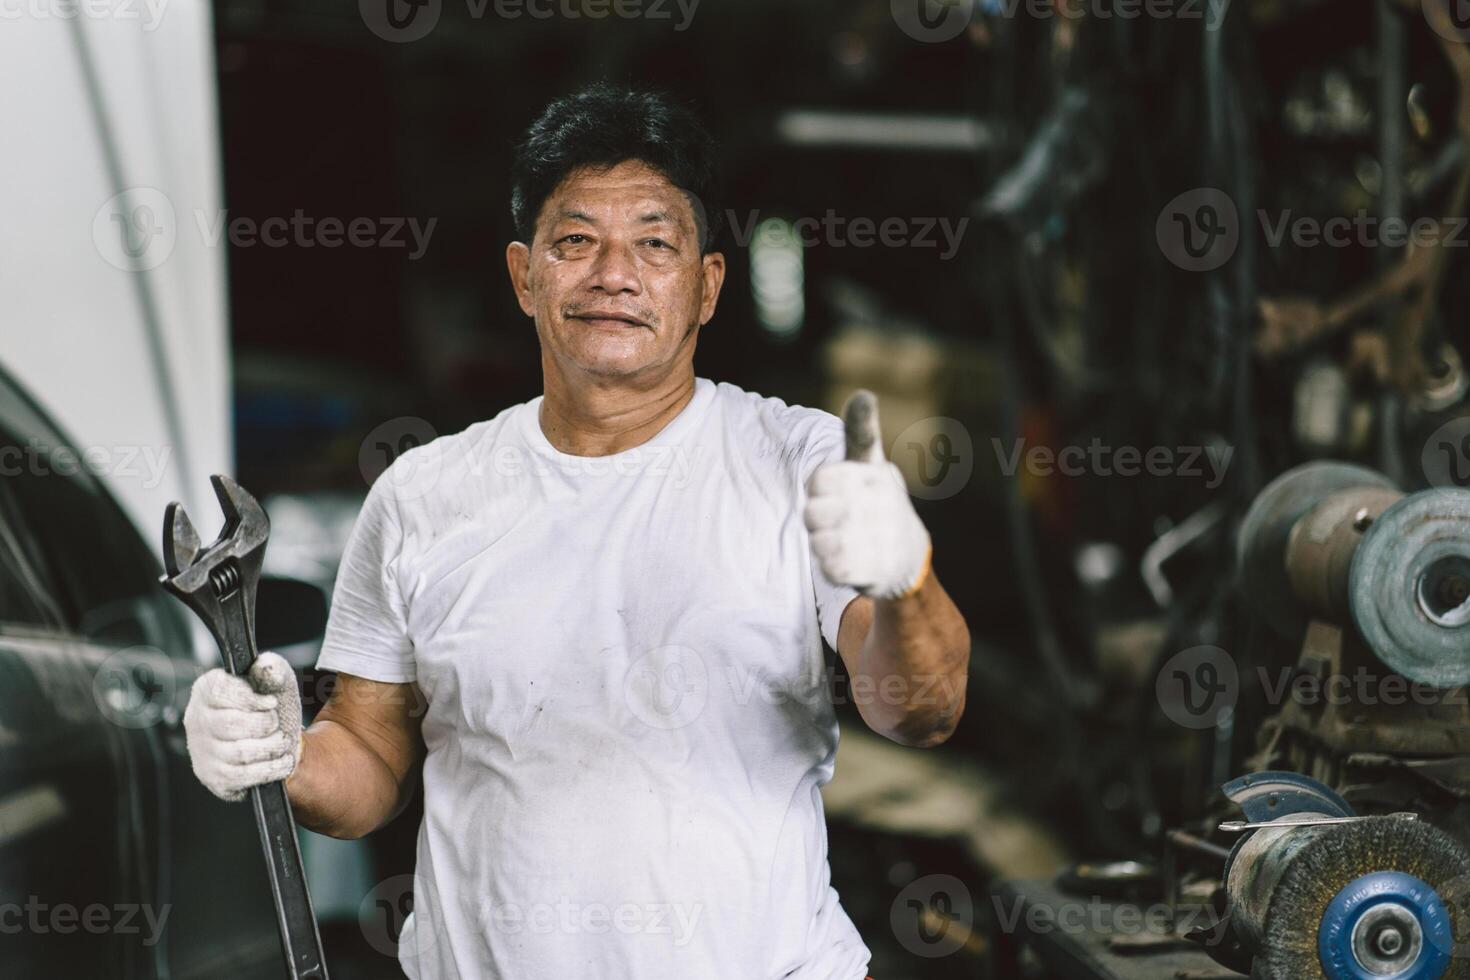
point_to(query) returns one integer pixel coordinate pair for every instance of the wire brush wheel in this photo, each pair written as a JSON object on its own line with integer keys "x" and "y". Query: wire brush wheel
{"x": 1383, "y": 897}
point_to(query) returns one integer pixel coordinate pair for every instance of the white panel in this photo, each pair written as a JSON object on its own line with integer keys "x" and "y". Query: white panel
{"x": 71, "y": 325}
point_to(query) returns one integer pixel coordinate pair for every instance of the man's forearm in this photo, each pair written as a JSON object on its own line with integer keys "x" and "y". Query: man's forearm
{"x": 915, "y": 664}
{"x": 341, "y": 786}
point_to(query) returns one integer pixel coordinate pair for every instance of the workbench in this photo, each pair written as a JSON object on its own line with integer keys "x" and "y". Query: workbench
{"x": 1091, "y": 938}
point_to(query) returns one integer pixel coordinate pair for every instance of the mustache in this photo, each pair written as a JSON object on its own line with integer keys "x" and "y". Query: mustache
{"x": 584, "y": 310}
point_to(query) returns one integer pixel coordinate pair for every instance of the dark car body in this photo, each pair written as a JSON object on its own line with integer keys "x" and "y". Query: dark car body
{"x": 114, "y": 860}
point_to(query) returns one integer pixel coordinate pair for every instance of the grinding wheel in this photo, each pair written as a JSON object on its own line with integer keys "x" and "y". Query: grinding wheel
{"x": 1410, "y": 587}
{"x": 1383, "y": 898}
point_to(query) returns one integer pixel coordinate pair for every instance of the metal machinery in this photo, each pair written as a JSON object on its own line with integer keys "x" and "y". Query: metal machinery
{"x": 1354, "y": 861}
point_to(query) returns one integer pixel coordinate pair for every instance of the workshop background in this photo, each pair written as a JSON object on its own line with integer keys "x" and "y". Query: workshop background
{"x": 1112, "y": 267}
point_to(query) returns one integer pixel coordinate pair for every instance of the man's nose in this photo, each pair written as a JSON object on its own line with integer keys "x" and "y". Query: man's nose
{"x": 615, "y": 269}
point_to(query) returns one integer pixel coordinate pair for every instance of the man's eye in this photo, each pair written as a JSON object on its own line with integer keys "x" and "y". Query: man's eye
{"x": 572, "y": 239}
{"x": 657, "y": 243}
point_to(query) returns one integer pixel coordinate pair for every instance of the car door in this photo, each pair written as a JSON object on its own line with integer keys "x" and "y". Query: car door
{"x": 96, "y": 714}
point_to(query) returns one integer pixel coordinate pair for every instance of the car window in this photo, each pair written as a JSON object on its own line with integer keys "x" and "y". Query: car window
{"x": 25, "y": 598}
{"x": 68, "y": 540}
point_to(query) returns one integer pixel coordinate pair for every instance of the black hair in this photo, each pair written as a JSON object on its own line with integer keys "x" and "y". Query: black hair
{"x": 604, "y": 125}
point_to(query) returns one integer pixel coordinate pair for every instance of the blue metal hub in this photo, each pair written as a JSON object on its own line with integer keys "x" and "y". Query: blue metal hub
{"x": 1385, "y": 926}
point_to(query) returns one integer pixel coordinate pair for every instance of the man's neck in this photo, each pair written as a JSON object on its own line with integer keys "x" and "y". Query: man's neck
{"x": 599, "y": 420}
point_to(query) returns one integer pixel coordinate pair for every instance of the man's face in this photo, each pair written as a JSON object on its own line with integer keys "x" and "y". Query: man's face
{"x": 614, "y": 277}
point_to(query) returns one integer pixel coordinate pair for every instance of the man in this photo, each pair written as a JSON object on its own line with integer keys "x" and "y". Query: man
{"x": 612, "y": 600}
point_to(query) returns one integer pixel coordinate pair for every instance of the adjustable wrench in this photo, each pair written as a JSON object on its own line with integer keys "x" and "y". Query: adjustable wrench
{"x": 218, "y": 583}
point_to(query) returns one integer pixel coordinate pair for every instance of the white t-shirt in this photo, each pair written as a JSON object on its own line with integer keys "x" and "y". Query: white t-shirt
{"x": 629, "y": 714}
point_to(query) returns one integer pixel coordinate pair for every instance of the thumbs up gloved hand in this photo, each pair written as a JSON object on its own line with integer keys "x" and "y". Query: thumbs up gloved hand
{"x": 242, "y": 733}
{"x": 864, "y": 530}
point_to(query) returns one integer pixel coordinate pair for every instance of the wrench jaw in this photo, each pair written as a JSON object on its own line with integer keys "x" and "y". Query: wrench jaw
{"x": 219, "y": 582}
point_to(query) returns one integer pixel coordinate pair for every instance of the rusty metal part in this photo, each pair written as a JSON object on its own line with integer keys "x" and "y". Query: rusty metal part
{"x": 1290, "y": 323}
{"x": 1256, "y": 868}
{"x": 1340, "y": 700}
{"x": 1321, "y": 545}
{"x": 1412, "y": 285}
{"x": 1261, "y": 543}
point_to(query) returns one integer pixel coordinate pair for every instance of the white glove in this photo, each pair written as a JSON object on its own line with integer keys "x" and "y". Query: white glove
{"x": 864, "y": 531}
{"x": 244, "y": 733}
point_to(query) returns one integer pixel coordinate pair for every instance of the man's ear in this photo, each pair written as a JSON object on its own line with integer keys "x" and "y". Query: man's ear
{"x": 518, "y": 261}
{"x": 713, "y": 272}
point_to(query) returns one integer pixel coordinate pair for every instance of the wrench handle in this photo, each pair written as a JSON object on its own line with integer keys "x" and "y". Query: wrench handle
{"x": 300, "y": 939}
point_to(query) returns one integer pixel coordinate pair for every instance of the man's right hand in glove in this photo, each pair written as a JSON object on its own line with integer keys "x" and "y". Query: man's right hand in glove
{"x": 244, "y": 732}
{"x": 347, "y": 775}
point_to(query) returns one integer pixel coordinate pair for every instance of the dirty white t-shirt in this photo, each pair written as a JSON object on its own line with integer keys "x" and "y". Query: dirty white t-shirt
{"x": 629, "y": 715}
